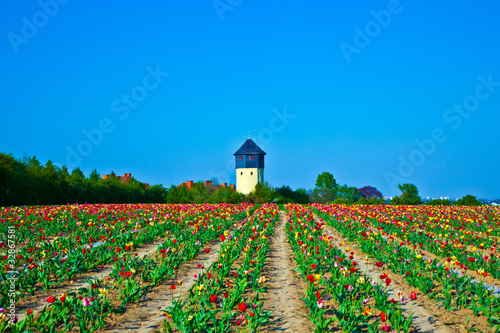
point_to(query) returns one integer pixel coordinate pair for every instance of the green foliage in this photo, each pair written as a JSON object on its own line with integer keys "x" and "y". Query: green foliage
{"x": 371, "y": 201}
{"x": 26, "y": 181}
{"x": 285, "y": 194}
{"x": 439, "y": 202}
{"x": 323, "y": 195}
{"x": 327, "y": 190}
{"x": 350, "y": 193}
{"x": 262, "y": 193}
{"x": 409, "y": 195}
{"x": 226, "y": 195}
{"x": 468, "y": 200}
{"x": 180, "y": 194}
{"x": 326, "y": 180}
{"x": 201, "y": 194}
{"x": 340, "y": 201}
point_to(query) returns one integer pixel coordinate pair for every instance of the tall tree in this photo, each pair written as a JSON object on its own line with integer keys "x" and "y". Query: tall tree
{"x": 409, "y": 195}
{"x": 468, "y": 200}
{"x": 326, "y": 180}
{"x": 326, "y": 188}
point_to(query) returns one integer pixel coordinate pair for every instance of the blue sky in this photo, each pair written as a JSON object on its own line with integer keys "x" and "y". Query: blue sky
{"x": 169, "y": 90}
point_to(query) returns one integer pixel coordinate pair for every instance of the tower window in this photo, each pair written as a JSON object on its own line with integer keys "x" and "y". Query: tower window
{"x": 251, "y": 173}
{"x": 241, "y": 173}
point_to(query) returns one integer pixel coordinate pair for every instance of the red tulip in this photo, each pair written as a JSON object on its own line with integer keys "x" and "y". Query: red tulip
{"x": 222, "y": 238}
{"x": 413, "y": 295}
{"x": 242, "y": 306}
{"x": 51, "y": 299}
{"x": 207, "y": 250}
{"x": 379, "y": 264}
{"x": 383, "y": 317}
{"x": 388, "y": 282}
{"x": 213, "y": 298}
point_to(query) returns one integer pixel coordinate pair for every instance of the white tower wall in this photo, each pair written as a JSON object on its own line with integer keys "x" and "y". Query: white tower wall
{"x": 247, "y": 178}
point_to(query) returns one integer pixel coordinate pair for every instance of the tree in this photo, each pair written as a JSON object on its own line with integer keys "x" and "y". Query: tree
{"x": 348, "y": 192}
{"x": 326, "y": 180}
{"x": 200, "y": 193}
{"x": 370, "y": 192}
{"x": 226, "y": 195}
{"x": 215, "y": 181}
{"x": 285, "y": 194}
{"x": 371, "y": 201}
{"x": 262, "y": 193}
{"x": 156, "y": 194}
{"x": 409, "y": 195}
{"x": 326, "y": 188}
{"x": 301, "y": 196}
{"x": 468, "y": 200}
{"x": 179, "y": 194}
{"x": 439, "y": 202}
{"x": 26, "y": 181}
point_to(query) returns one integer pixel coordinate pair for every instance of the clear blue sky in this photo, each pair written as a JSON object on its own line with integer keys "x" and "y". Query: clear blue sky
{"x": 335, "y": 86}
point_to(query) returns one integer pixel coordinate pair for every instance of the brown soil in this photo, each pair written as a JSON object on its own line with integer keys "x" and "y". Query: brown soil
{"x": 284, "y": 288}
{"x": 429, "y": 317}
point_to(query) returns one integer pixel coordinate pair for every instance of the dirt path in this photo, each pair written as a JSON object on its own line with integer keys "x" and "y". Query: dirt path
{"x": 38, "y": 301}
{"x": 284, "y": 289}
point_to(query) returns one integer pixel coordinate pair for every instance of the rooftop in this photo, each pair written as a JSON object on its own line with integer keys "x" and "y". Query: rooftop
{"x": 249, "y": 148}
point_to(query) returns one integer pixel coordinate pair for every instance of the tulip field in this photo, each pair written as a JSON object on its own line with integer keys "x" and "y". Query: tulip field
{"x": 249, "y": 268}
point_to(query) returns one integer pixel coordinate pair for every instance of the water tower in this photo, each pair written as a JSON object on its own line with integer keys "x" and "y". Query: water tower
{"x": 249, "y": 166}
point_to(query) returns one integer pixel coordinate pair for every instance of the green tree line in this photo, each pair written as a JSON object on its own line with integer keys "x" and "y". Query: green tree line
{"x": 26, "y": 181}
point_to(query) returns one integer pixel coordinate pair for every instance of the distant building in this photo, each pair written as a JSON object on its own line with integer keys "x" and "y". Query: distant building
{"x": 249, "y": 160}
{"x": 125, "y": 178}
{"x": 208, "y": 184}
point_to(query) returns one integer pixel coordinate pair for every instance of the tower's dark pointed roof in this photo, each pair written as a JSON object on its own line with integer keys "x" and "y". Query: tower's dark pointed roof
{"x": 249, "y": 148}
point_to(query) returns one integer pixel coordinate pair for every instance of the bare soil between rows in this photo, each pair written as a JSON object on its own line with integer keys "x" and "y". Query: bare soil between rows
{"x": 284, "y": 288}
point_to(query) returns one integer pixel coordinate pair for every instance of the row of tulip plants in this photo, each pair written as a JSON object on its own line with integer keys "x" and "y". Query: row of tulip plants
{"x": 357, "y": 302}
{"x": 227, "y": 295}
{"x": 431, "y": 277}
{"x": 131, "y": 276}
